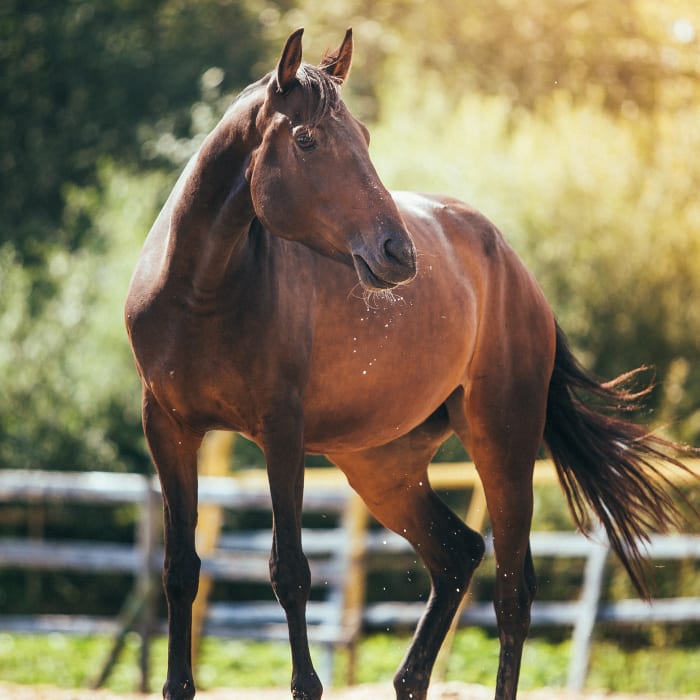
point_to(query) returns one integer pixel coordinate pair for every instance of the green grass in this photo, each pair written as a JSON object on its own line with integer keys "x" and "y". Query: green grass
{"x": 67, "y": 661}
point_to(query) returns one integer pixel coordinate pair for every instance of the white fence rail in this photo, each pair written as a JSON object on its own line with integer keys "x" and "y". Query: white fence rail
{"x": 142, "y": 559}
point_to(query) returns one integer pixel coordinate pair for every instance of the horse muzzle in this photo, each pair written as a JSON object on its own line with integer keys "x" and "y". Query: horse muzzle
{"x": 391, "y": 263}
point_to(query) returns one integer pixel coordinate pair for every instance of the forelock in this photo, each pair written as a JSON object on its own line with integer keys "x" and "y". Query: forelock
{"x": 319, "y": 86}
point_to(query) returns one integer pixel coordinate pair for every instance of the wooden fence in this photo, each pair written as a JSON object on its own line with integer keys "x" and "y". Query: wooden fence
{"x": 338, "y": 557}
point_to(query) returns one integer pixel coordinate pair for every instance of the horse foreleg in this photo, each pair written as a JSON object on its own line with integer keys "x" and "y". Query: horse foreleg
{"x": 174, "y": 452}
{"x": 289, "y": 568}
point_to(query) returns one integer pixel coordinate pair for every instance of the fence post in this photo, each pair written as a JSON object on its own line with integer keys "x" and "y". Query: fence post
{"x": 138, "y": 612}
{"x": 588, "y": 611}
{"x": 147, "y": 580}
{"x": 355, "y": 522}
{"x": 214, "y": 460}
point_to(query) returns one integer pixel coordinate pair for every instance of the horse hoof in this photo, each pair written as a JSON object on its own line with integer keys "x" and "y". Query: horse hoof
{"x": 310, "y": 689}
{"x": 181, "y": 690}
{"x": 410, "y": 688}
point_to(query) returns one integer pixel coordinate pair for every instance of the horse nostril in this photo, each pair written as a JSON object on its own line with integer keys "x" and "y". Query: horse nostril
{"x": 399, "y": 252}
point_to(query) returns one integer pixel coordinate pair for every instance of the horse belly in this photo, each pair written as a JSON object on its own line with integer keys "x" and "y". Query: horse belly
{"x": 342, "y": 428}
{"x": 383, "y": 373}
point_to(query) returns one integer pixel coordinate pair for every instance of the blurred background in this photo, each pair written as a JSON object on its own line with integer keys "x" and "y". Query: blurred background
{"x": 573, "y": 124}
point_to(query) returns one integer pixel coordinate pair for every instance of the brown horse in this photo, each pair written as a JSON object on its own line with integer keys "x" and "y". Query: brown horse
{"x": 245, "y": 314}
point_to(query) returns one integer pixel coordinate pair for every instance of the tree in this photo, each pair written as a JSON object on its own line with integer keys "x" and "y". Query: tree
{"x": 632, "y": 56}
{"x": 70, "y": 393}
{"x": 86, "y": 79}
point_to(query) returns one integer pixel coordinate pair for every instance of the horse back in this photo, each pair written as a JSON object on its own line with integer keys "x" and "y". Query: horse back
{"x": 513, "y": 324}
{"x": 506, "y": 378}
{"x": 473, "y": 252}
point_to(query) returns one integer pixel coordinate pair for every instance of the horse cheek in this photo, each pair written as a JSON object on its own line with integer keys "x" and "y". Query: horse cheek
{"x": 263, "y": 189}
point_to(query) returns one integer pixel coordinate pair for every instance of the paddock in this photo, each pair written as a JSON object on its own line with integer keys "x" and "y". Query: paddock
{"x": 440, "y": 691}
{"x": 327, "y": 492}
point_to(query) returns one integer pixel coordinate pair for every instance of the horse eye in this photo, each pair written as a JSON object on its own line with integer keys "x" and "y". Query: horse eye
{"x": 304, "y": 138}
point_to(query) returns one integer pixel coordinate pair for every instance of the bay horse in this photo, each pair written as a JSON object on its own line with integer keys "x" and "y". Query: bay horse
{"x": 285, "y": 294}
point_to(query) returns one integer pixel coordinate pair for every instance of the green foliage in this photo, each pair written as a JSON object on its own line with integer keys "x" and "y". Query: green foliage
{"x": 70, "y": 392}
{"x": 71, "y": 662}
{"x": 646, "y": 671}
{"x": 83, "y": 79}
{"x": 19, "y": 656}
{"x": 639, "y": 56}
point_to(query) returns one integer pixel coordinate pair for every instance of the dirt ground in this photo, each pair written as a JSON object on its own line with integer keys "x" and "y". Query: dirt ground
{"x": 440, "y": 691}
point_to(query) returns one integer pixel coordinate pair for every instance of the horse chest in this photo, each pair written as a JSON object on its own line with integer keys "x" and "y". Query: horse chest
{"x": 205, "y": 374}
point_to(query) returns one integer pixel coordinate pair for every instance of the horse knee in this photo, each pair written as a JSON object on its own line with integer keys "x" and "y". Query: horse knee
{"x": 513, "y": 617}
{"x": 181, "y": 578}
{"x": 291, "y": 578}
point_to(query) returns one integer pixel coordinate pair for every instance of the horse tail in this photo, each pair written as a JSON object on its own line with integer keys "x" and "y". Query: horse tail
{"x": 607, "y": 463}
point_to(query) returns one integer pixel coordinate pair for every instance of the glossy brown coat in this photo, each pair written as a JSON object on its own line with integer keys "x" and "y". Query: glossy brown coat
{"x": 285, "y": 294}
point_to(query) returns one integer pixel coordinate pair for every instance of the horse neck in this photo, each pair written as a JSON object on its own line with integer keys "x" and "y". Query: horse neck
{"x": 212, "y": 212}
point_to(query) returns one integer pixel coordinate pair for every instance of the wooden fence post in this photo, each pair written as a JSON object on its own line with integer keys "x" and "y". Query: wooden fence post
{"x": 148, "y": 580}
{"x": 355, "y": 521}
{"x": 214, "y": 460}
{"x": 138, "y": 612}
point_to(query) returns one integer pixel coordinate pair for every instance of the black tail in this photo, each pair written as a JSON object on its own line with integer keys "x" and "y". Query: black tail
{"x": 609, "y": 463}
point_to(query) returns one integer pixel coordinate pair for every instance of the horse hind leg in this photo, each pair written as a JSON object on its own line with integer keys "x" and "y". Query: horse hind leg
{"x": 393, "y": 482}
{"x": 503, "y": 438}
{"x": 451, "y": 551}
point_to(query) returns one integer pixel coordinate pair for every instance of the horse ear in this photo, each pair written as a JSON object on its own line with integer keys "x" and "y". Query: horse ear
{"x": 337, "y": 63}
{"x": 289, "y": 62}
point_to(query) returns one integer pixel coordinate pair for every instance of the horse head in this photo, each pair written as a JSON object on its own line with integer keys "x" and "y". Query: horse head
{"x": 311, "y": 178}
